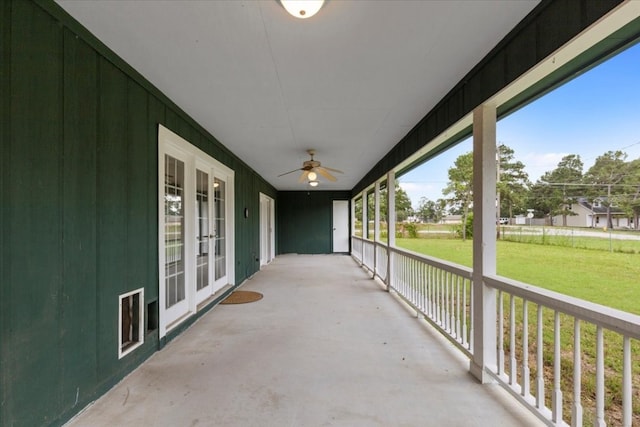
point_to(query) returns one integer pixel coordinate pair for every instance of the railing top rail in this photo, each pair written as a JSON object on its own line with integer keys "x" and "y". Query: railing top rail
{"x": 620, "y": 321}
{"x": 457, "y": 269}
{"x": 365, "y": 240}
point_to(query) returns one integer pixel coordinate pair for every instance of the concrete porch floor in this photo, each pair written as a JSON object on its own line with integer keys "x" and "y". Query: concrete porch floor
{"x": 326, "y": 346}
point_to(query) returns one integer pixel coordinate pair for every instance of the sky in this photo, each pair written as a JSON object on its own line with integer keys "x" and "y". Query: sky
{"x": 594, "y": 113}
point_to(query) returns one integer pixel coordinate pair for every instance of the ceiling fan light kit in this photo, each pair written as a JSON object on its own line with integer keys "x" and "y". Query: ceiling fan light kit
{"x": 311, "y": 169}
{"x": 302, "y": 9}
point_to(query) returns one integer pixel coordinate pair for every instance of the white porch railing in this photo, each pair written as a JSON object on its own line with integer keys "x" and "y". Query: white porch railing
{"x": 550, "y": 347}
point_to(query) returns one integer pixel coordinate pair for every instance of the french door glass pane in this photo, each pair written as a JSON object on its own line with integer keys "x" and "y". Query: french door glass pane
{"x": 219, "y": 192}
{"x": 202, "y": 224}
{"x": 174, "y": 230}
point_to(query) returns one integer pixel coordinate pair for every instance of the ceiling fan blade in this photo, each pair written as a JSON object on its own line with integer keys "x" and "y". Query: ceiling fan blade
{"x": 287, "y": 173}
{"x": 326, "y": 174}
{"x": 332, "y": 170}
{"x": 303, "y": 176}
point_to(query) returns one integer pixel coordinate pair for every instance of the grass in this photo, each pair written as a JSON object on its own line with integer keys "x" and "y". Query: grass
{"x": 600, "y": 276}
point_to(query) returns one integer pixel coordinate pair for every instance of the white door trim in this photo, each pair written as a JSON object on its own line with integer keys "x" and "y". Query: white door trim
{"x": 267, "y": 227}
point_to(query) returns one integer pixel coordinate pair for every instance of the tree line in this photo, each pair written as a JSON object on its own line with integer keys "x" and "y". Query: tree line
{"x": 613, "y": 180}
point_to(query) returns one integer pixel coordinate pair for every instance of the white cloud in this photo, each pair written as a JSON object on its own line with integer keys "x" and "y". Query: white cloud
{"x": 417, "y": 190}
{"x": 536, "y": 164}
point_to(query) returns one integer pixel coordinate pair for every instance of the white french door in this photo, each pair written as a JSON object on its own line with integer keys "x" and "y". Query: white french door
{"x": 194, "y": 211}
{"x": 211, "y": 232}
{"x": 175, "y": 229}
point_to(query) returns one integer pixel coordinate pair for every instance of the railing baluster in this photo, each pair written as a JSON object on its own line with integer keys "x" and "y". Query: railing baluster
{"x": 458, "y": 312}
{"x": 512, "y": 341}
{"x": 418, "y": 285}
{"x": 425, "y": 283}
{"x": 525, "y": 348}
{"x": 401, "y": 282}
{"x": 437, "y": 278}
{"x": 432, "y": 284}
{"x": 599, "y": 422}
{"x": 500, "y": 333}
{"x": 471, "y": 313}
{"x": 452, "y": 300}
{"x": 464, "y": 315}
{"x": 576, "y": 412}
{"x": 429, "y": 290}
{"x": 557, "y": 391}
{"x": 445, "y": 303}
{"x": 414, "y": 285}
{"x": 539, "y": 360}
{"x": 627, "y": 375}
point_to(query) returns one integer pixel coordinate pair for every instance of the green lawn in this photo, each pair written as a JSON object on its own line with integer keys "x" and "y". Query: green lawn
{"x": 607, "y": 278}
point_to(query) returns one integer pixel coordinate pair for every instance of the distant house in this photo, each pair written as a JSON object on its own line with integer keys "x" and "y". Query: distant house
{"x": 452, "y": 219}
{"x": 593, "y": 213}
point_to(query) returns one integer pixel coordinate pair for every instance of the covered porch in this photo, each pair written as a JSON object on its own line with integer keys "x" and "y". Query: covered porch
{"x": 327, "y": 345}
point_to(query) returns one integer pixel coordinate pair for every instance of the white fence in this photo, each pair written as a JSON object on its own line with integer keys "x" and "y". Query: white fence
{"x": 553, "y": 351}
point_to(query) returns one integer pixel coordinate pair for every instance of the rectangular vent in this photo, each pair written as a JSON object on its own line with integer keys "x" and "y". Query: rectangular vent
{"x": 152, "y": 316}
{"x": 130, "y": 321}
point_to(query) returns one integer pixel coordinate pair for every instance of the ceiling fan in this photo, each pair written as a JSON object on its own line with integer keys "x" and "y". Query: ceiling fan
{"x": 310, "y": 169}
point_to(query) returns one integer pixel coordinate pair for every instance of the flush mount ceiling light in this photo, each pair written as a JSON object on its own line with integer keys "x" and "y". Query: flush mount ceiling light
{"x": 302, "y": 9}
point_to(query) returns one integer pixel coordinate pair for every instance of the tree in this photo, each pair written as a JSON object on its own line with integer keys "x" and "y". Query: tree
{"x": 430, "y": 211}
{"x": 403, "y": 204}
{"x": 606, "y": 173}
{"x": 513, "y": 182}
{"x": 460, "y": 186}
{"x": 555, "y": 192}
{"x": 630, "y": 203}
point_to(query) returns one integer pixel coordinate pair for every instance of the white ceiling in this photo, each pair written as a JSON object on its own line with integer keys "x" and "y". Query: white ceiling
{"x": 349, "y": 82}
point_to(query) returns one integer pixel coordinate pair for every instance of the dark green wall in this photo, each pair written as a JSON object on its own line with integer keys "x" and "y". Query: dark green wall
{"x": 78, "y": 217}
{"x": 548, "y": 27}
{"x": 305, "y": 221}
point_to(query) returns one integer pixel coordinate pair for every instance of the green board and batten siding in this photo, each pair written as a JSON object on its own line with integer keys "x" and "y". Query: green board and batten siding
{"x": 79, "y": 215}
{"x": 305, "y": 221}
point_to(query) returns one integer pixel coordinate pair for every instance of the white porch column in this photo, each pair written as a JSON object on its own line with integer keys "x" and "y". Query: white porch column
{"x": 365, "y": 220}
{"x": 376, "y": 228}
{"x": 391, "y": 224}
{"x": 484, "y": 241}
{"x": 353, "y": 217}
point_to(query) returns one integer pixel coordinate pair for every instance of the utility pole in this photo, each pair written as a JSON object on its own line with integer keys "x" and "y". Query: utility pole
{"x": 609, "y": 221}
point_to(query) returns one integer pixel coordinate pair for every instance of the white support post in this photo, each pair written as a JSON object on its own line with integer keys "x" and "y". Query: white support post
{"x": 391, "y": 224}
{"x": 353, "y": 217}
{"x": 376, "y": 228}
{"x": 365, "y": 220}
{"x": 484, "y": 241}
